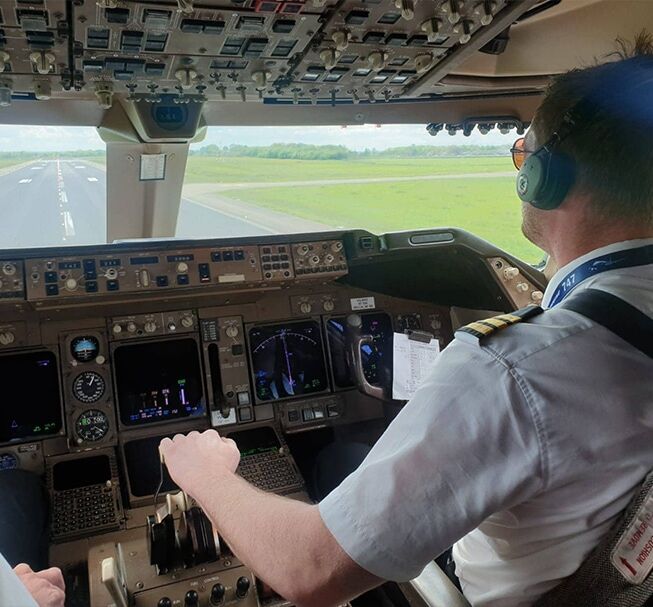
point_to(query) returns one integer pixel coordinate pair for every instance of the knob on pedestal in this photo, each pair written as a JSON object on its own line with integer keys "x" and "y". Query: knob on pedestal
{"x": 164, "y": 602}
{"x": 191, "y": 599}
{"x": 217, "y": 594}
{"x": 242, "y": 587}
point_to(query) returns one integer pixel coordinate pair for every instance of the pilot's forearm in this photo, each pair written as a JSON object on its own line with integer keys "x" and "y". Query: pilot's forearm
{"x": 283, "y": 541}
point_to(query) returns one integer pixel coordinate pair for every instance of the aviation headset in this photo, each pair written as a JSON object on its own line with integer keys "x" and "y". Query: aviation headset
{"x": 547, "y": 174}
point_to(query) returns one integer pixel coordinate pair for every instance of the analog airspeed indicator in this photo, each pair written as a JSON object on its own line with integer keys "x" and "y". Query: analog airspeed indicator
{"x": 91, "y": 426}
{"x": 89, "y": 387}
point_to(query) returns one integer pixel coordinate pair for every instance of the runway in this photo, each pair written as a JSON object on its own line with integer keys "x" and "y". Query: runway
{"x": 63, "y": 202}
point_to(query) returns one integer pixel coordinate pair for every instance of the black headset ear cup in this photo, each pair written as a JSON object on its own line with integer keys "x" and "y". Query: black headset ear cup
{"x": 545, "y": 179}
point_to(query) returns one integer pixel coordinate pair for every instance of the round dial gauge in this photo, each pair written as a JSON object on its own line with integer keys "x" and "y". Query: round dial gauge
{"x": 88, "y": 387}
{"x": 92, "y": 425}
{"x": 84, "y": 348}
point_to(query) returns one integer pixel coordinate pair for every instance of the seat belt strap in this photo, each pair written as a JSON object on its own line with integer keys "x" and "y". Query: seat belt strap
{"x": 616, "y": 315}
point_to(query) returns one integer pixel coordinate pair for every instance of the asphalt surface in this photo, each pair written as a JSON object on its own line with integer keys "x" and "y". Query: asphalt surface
{"x": 50, "y": 202}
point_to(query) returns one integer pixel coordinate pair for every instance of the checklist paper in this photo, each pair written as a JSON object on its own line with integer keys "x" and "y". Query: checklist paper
{"x": 412, "y": 361}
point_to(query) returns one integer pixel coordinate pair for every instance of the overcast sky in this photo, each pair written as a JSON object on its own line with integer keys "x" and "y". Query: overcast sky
{"x": 55, "y": 138}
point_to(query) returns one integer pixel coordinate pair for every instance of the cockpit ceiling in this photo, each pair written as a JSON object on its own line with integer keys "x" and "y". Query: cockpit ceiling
{"x": 317, "y": 53}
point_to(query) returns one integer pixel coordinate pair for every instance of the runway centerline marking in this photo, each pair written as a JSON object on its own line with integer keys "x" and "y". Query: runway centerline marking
{"x": 25, "y": 181}
{"x": 92, "y": 178}
{"x": 66, "y": 218}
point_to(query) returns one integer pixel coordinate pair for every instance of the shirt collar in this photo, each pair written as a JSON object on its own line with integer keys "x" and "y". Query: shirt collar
{"x": 554, "y": 283}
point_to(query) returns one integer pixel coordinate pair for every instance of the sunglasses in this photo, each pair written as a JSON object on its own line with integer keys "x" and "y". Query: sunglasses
{"x": 519, "y": 152}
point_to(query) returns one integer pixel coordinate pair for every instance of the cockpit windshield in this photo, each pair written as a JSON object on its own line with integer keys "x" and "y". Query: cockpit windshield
{"x": 249, "y": 181}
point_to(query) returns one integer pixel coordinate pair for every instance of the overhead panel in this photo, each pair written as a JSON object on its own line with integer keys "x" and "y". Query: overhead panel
{"x": 276, "y": 51}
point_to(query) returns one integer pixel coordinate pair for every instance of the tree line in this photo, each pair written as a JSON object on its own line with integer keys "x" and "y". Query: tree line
{"x": 300, "y": 151}
{"x": 303, "y": 151}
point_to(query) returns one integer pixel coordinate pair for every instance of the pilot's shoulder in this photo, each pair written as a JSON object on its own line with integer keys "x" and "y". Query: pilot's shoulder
{"x": 479, "y": 331}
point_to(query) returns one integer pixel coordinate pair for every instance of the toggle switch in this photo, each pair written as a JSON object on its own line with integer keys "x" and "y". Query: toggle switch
{"x": 42, "y": 61}
{"x": 407, "y": 8}
{"x": 431, "y": 27}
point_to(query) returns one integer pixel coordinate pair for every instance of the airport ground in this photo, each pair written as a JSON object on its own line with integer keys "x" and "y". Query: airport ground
{"x": 62, "y": 201}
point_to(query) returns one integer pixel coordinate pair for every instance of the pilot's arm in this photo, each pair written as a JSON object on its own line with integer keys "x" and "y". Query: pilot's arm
{"x": 467, "y": 445}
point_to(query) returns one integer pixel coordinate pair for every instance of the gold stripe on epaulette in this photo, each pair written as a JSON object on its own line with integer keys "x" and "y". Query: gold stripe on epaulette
{"x": 495, "y": 322}
{"x": 481, "y": 328}
{"x": 510, "y": 318}
{"x": 484, "y": 328}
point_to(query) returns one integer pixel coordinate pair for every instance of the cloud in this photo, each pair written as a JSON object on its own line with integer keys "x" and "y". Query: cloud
{"x": 29, "y": 138}
{"x": 354, "y": 137}
{"x": 59, "y": 138}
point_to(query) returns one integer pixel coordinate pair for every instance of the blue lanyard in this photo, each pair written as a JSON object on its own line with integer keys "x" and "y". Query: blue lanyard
{"x": 629, "y": 258}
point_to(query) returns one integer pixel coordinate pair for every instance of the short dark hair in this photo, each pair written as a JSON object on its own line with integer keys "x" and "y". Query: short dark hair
{"x": 613, "y": 147}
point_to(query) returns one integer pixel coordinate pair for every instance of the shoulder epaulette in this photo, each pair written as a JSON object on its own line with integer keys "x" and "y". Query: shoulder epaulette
{"x": 479, "y": 329}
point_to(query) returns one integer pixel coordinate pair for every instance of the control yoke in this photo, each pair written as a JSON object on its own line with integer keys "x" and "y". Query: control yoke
{"x": 355, "y": 341}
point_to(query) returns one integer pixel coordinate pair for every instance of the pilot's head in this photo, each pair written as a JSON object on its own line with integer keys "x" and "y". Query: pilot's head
{"x": 595, "y": 171}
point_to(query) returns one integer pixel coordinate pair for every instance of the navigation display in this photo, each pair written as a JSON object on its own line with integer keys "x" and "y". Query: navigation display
{"x": 376, "y": 358}
{"x": 31, "y": 407}
{"x": 287, "y": 360}
{"x": 158, "y": 381}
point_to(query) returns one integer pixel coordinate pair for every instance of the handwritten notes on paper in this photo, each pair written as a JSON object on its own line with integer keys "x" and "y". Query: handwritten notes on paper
{"x": 411, "y": 362}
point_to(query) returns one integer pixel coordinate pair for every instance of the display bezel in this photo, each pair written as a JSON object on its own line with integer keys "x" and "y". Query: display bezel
{"x": 250, "y": 360}
{"x": 62, "y": 421}
{"x": 201, "y": 414}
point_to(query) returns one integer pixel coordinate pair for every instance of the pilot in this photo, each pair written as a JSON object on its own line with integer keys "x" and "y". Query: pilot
{"x": 521, "y": 447}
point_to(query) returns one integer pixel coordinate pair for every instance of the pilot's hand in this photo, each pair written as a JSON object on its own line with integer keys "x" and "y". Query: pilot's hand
{"x": 188, "y": 458}
{"x": 46, "y": 587}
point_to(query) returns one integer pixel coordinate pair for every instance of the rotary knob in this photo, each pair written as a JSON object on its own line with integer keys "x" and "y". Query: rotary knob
{"x": 182, "y": 267}
{"x": 537, "y": 296}
{"x": 7, "y": 338}
{"x": 186, "y": 322}
{"x": 8, "y": 269}
{"x": 232, "y": 331}
{"x": 131, "y": 327}
{"x": 305, "y": 307}
{"x": 314, "y": 260}
{"x": 510, "y": 273}
{"x": 328, "y": 305}
{"x": 117, "y": 329}
{"x": 522, "y": 287}
{"x": 71, "y": 284}
{"x": 150, "y": 326}
{"x": 303, "y": 249}
{"x": 336, "y": 247}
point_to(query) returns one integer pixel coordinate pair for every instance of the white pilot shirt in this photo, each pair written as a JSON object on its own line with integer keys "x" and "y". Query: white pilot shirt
{"x": 527, "y": 446}
{"x": 12, "y": 590}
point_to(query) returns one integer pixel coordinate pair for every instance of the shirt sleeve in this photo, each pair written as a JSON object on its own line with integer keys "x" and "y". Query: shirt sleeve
{"x": 466, "y": 446}
{"x": 12, "y": 590}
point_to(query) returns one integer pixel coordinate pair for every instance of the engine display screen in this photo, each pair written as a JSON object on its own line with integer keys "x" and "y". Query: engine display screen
{"x": 287, "y": 360}
{"x": 158, "y": 381}
{"x": 31, "y": 406}
{"x": 376, "y": 358}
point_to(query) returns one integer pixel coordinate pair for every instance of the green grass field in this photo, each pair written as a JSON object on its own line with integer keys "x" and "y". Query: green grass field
{"x": 7, "y": 162}
{"x": 487, "y": 207}
{"x": 202, "y": 169}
